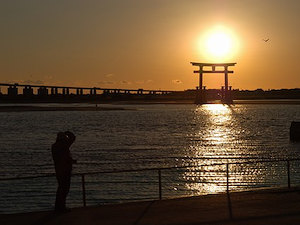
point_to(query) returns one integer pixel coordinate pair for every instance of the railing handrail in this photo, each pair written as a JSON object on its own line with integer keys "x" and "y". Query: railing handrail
{"x": 152, "y": 169}
{"x": 227, "y": 170}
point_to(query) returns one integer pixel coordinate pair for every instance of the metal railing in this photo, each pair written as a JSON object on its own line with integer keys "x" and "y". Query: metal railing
{"x": 159, "y": 171}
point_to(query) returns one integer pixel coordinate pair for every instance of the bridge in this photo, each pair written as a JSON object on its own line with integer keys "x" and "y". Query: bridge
{"x": 29, "y": 90}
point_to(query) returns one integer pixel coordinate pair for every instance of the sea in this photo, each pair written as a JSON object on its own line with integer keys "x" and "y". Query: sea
{"x": 123, "y": 150}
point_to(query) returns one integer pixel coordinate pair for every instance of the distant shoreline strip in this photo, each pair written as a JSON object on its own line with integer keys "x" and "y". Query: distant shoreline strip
{"x": 50, "y": 108}
{"x": 24, "y": 108}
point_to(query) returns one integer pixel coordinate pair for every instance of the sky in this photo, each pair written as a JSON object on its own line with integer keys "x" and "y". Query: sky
{"x": 148, "y": 44}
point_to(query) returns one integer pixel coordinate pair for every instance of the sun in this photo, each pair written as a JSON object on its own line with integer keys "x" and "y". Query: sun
{"x": 218, "y": 44}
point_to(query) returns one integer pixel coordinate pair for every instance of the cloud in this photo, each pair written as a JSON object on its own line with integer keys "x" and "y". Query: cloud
{"x": 32, "y": 82}
{"x": 143, "y": 81}
{"x": 105, "y": 82}
{"x": 125, "y": 82}
{"x": 176, "y": 81}
{"x": 37, "y": 82}
{"x": 109, "y": 75}
{"x": 10, "y": 81}
{"x": 48, "y": 77}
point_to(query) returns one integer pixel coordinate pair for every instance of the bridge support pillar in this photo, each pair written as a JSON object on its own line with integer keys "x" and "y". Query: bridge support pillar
{"x": 42, "y": 91}
{"x": 28, "y": 91}
{"x": 12, "y": 91}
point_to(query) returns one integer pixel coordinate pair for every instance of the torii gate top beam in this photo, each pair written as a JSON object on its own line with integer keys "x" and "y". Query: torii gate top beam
{"x": 213, "y": 67}
{"x": 212, "y": 64}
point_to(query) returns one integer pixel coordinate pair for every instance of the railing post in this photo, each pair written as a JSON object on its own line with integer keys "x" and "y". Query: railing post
{"x": 159, "y": 184}
{"x": 227, "y": 192}
{"x": 83, "y": 190}
{"x": 288, "y": 174}
{"x": 227, "y": 177}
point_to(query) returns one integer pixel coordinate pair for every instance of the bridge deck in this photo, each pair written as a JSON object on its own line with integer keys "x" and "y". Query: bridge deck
{"x": 83, "y": 88}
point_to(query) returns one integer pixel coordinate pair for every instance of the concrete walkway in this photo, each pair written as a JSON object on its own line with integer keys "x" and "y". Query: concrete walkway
{"x": 269, "y": 206}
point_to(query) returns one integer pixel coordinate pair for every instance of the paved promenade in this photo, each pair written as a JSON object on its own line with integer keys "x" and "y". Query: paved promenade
{"x": 269, "y": 206}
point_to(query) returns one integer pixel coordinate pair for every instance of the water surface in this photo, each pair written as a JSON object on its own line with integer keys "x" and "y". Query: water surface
{"x": 151, "y": 136}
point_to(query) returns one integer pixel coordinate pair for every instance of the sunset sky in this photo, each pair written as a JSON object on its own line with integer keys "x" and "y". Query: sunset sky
{"x": 148, "y": 43}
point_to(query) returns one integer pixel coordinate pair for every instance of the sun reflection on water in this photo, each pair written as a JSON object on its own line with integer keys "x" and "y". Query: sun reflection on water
{"x": 215, "y": 131}
{"x": 215, "y": 139}
{"x": 220, "y": 118}
{"x": 212, "y": 141}
{"x": 205, "y": 180}
{"x": 212, "y": 138}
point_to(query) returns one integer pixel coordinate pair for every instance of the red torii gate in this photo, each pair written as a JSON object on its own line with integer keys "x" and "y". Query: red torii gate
{"x": 213, "y": 68}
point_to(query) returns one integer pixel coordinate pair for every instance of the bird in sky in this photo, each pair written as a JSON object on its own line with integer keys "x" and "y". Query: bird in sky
{"x": 266, "y": 40}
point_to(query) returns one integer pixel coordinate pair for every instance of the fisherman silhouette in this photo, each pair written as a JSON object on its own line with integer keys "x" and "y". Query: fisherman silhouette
{"x": 63, "y": 167}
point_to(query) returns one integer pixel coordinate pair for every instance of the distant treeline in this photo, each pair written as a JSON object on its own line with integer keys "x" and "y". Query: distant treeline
{"x": 267, "y": 94}
{"x": 249, "y": 94}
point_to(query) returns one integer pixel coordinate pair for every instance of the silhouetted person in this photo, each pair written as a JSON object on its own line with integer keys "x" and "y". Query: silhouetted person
{"x": 63, "y": 167}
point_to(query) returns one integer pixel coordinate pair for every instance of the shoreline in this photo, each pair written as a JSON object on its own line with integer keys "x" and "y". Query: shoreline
{"x": 112, "y": 106}
{"x": 56, "y": 108}
{"x": 28, "y": 107}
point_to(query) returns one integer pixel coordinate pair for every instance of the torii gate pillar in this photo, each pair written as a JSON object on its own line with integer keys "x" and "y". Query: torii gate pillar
{"x": 213, "y": 68}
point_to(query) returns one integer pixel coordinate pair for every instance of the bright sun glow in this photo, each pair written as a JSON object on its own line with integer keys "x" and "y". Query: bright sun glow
{"x": 218, "y": 44}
